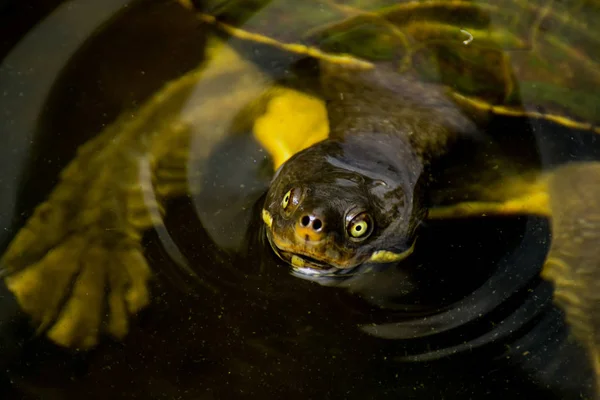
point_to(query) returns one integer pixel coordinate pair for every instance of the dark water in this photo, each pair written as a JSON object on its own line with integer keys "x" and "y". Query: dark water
{"x": 471, "y": 319}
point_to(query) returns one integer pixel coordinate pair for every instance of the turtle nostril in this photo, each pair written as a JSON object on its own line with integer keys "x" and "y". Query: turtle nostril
{"x": 305, "y": 221}
{"x": 311, "y": 222}
{"x": 317, "y": 224}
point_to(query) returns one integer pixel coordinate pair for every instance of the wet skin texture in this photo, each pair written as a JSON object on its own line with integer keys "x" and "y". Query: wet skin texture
{"x": 357, "y": 198}
{"x": 346, "y": 201}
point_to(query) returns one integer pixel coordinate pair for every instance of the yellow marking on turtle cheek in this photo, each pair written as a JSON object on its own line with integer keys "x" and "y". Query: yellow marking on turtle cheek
{"x": 267, "y": 218}
{"x": 293, "y": 121}
{"x": 385, "y": 256}
{"x": 297, "y": 262}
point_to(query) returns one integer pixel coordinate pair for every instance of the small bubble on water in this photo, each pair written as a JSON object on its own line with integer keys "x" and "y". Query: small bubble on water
{"x": 469, "y": 37}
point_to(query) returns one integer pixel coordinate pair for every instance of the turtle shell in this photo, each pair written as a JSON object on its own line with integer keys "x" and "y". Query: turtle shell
{"x": 511, "y": 57}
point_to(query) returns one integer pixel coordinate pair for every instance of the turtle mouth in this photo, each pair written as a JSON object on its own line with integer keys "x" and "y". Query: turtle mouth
{"x": 308, "y": 265}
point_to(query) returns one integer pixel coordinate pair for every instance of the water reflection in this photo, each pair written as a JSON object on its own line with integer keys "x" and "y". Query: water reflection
{"x": 233, "y": 322}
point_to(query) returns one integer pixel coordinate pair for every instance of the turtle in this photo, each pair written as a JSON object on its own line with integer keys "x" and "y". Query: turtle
{"x": 351, "y": 202}
{"x": 396, "y": 89}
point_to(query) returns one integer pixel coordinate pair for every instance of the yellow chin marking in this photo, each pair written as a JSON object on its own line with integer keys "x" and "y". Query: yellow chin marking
{"x": 384, "y": 256}
{"x": 297, "y": 262}
{"x": 267, "y": 218}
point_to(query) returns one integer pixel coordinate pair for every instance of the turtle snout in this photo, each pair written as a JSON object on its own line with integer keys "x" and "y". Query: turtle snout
{"x": 310, "y": 227}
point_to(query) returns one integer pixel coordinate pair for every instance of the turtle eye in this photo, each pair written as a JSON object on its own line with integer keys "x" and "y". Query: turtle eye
{"x": 361, "y": 226}
{"x": 286, "y": 199}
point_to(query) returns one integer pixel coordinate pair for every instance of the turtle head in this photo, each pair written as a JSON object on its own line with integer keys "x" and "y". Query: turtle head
{"x": 332, "y": 208}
